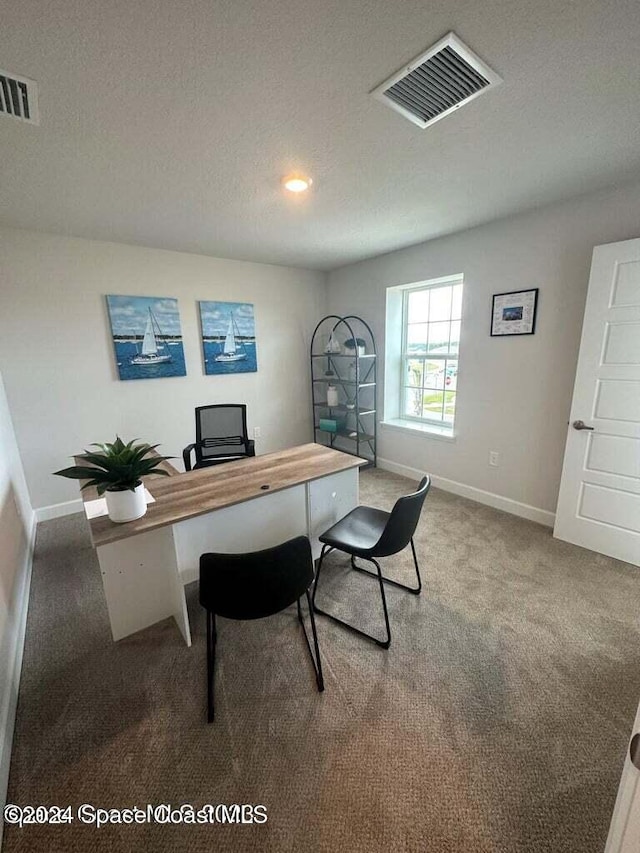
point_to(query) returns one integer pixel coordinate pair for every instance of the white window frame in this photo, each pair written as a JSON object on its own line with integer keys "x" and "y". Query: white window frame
{"x": 396, "y": 357}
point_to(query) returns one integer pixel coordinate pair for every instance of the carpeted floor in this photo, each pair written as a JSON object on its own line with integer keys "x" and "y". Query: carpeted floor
{"x": 497, "y": 721}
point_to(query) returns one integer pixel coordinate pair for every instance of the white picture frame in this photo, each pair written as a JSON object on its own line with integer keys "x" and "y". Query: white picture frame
{"x": 514, "y": 313}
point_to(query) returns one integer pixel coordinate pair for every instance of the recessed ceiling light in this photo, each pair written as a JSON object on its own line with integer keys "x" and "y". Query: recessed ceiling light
{"x": 296, "y": 183}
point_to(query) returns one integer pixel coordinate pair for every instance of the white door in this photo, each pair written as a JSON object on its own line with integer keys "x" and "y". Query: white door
{"x": 624, "y": 832}
{"x": 599, "y": 501}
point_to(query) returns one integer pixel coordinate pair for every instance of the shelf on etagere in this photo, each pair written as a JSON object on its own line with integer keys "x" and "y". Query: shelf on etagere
{"x": 351, "y": 434}
{"x": 322, "y": 404}
{"x": 335, "y": 380}
{"x": 343, "y": 355}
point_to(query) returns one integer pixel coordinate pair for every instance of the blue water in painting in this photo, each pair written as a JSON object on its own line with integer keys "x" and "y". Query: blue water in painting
{"x": 125, "y": 350}
{"x": 211, "y": 366}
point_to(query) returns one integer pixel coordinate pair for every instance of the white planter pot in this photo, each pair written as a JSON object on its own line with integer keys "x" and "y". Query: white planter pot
{"x": 126, "y": 505}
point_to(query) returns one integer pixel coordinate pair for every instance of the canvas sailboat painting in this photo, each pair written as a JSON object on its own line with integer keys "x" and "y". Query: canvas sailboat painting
{"x": 228, "y": 337}
{"x": 147, "y": 337}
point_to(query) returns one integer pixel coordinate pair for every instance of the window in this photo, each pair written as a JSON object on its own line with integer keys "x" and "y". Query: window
{"x": 431, "y": 315}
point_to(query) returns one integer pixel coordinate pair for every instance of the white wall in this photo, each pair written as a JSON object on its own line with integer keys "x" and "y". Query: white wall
{"x": 57, "y": 354}
{"x": 16, "y": 531}
{"x": 514, "y": 393}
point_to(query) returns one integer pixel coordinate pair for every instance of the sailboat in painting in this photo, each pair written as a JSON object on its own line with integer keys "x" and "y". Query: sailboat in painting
{"x": 154, "y": 350}
{"x": 233, "y": 350}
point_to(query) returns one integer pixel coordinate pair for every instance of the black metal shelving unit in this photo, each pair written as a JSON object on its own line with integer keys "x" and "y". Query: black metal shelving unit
{"x": 354, "y": 376}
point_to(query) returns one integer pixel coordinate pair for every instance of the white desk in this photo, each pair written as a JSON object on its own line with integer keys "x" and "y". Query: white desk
{"x": 146, "y": 563}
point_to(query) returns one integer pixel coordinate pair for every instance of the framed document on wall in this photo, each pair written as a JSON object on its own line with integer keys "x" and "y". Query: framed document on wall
{"x": 514, "y": 313}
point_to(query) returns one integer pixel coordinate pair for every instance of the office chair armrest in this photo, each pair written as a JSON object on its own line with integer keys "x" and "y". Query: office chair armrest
{"x": 186, "y": 456}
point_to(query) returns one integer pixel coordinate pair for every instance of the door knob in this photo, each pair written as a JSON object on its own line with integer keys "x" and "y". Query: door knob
{"x": 580, "y": 425}
{"x": 634, "y": 750}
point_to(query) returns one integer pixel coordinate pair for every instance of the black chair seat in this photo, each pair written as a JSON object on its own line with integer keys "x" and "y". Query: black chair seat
{"x": 358, "y": 532}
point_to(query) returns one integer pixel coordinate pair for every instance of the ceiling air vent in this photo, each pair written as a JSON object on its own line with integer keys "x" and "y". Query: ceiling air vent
{"x": 437, "y": 82}
{"x": 19, "y": 98}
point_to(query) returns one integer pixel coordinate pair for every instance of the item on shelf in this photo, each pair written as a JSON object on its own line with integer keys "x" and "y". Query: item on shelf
{"x": 333, "y": 345}
{"x": 333, "y": 424}
{"x": 351, "y": 344}
{"x": 328, "y": 424}
{"x": 332, "y": 395}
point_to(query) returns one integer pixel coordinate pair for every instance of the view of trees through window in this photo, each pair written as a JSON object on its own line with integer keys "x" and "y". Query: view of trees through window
{"x": 431, "y": 343}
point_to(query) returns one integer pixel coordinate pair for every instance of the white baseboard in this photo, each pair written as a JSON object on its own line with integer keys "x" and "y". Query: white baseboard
{"x": 532, "y": 513}
{"x": 189, "y": 576}
{"x": 46, "y": 513}
{"x": 9, "y": 692}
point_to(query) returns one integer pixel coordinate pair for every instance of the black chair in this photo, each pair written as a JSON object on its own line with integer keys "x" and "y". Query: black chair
{"x": 369, "y": 533}
{"x": 251, "y": 586}
{"x": 221, "y": 436}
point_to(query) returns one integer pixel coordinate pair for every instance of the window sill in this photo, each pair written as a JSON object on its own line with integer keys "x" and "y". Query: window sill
{"x": 428, "y": 430}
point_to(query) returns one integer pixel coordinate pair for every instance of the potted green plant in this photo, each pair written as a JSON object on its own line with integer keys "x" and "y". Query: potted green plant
{"x": 353, "y": 344}
{"x": 116, "y": 470}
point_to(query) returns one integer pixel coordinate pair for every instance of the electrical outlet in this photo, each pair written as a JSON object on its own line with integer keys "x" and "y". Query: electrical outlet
{"x": 256, "y": 432}
{"x": 494, "y": 458}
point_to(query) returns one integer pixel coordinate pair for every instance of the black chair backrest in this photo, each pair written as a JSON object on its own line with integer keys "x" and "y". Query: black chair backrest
{"x": 402, "y": 522}
{"x": 250, "y": 586}
{"x": 221, "y": 430}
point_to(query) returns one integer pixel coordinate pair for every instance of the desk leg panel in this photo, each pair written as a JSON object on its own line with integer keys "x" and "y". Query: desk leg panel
{"x": 330, "y": 499}
{"x": 141, "y": 583}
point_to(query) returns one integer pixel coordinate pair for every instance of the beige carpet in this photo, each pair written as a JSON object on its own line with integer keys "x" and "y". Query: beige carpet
{"x": 497, "y": 721}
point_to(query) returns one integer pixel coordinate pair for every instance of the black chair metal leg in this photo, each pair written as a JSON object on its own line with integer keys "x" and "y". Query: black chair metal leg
{"x": 413, "y": 589}
{"x": 387, "y": 642}
{"x": 211, "y": 659}
{"x": 315, "y": 659}
{"x": 312, "y": 619}
{"x": 317, "y": 577}
{"x": 415, "y": 563}
{"x": 383, "y": 643}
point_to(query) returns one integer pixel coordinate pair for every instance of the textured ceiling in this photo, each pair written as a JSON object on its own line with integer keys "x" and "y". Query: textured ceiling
{"x": 170, "y": 124}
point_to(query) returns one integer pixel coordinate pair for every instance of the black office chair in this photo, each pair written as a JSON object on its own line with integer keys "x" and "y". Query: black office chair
{"x": 221, "y": 436}
{"x": 251, "y": 586}
{"x": 369, "y": 533}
